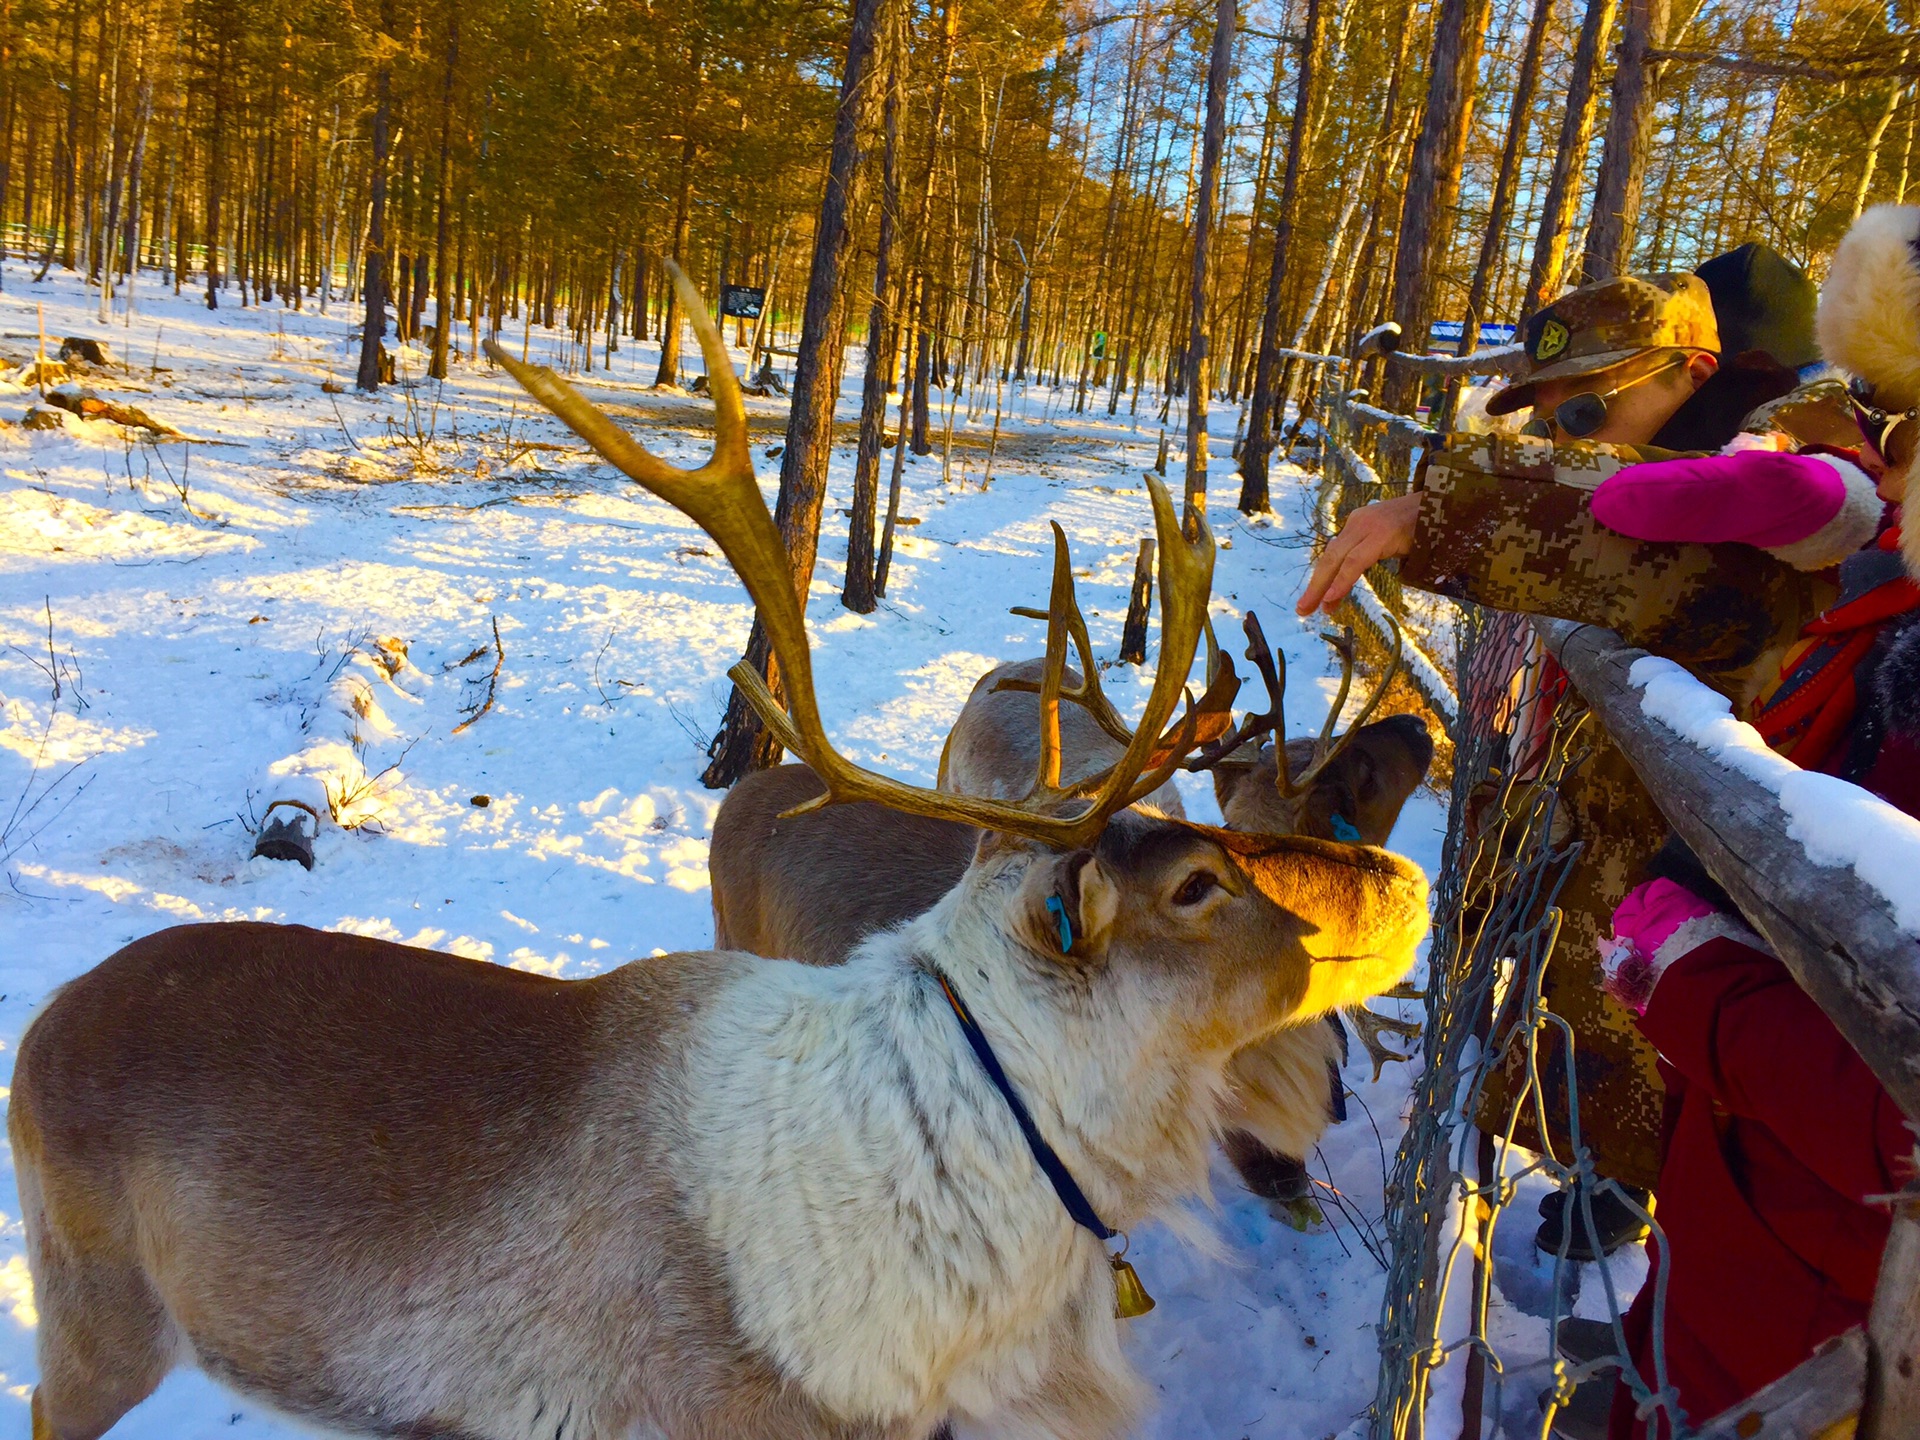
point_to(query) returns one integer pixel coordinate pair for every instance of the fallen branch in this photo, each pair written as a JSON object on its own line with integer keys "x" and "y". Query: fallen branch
{"x": 493, "y": 680}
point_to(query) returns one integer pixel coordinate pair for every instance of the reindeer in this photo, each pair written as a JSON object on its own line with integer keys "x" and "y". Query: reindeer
{"x": 705, "y": 1195}
{"x": 811, "y": 886}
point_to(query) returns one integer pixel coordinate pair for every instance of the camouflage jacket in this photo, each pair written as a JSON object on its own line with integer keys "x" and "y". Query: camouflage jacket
{"x": 1506, "y": 521}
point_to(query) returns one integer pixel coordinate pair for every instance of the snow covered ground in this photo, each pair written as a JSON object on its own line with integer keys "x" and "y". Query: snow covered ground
{"x": 215, "y": 614}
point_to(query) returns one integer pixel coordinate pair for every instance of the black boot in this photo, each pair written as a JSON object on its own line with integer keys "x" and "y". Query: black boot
{"x": 1617, "y": 1225}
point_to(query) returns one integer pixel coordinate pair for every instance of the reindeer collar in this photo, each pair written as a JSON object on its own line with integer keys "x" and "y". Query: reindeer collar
{"x": 1129, "y": 1295}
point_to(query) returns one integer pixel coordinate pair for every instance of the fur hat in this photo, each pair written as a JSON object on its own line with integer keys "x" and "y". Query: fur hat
{"x": 1869, "y": 318}
{"x": 1869, "y": 325}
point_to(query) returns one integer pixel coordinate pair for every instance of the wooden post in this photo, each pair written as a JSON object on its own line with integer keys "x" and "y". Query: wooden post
{"x": 1893, "y": 1330}
{"x": 1133, "y": 635}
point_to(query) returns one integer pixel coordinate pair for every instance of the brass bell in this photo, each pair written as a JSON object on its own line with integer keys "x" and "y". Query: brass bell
{"x": 1130, "y": 1297}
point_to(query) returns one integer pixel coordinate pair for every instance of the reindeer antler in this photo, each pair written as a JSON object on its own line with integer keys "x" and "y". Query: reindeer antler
{"x": 1273, "y": 672}
{"x": 724, "y": 500}
{"x": 1212, "y": 713}
{"x": 1327, "y": 747}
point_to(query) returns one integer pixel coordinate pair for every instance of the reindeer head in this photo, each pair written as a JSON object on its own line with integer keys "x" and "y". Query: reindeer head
{"x": 1345, "y": 787}
{"x": 1232, "y": 933}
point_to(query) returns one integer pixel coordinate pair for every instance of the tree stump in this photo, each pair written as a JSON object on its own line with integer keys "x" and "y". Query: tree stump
{"x": 1133, "y": 636}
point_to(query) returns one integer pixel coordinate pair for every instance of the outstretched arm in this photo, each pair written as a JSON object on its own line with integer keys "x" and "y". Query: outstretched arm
{"x": 1376, "y": 532}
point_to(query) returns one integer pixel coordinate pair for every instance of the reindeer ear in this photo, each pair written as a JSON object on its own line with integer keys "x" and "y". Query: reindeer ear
{"x": 1066, "y": 908}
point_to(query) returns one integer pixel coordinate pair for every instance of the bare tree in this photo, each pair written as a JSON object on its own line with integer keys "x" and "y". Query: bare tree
{"x": 1519, "y": 119}
{"x": 1261, "y": 419}
{"x": 1576, "y": 134}
{"x": 1623, "y": 158}
{"x": 883, "y": 329}
{"x": 1433, "y": 182}
{"x": 374, "y": 288}
{"x": 743, "y": 743}
{"x": 443, "y": 320}
{"x": 1199, "y": 363}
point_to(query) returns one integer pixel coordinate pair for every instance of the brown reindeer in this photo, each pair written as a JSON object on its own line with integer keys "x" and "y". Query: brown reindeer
{"x": 398, "y": 1193}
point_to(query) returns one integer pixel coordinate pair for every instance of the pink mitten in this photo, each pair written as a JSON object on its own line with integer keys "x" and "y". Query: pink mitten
{"x": 1809, "y": 510}
{"x": 1630, "y": 960}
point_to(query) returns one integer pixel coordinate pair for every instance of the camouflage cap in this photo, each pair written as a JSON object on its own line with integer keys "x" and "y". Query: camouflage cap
{"x": 1600, "y": 326}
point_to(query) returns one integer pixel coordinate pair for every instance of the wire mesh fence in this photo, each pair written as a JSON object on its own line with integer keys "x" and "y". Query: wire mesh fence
{"x": 1496, "y": 926}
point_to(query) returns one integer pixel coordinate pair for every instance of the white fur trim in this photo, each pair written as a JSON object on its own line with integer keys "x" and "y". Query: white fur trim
{"x": 1868, "y": 322}
{"x": 1694, "y": 933}
{"x": 1853, "y": 525}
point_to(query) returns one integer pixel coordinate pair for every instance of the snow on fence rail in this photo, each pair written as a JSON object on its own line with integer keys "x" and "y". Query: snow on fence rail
{"x": 1827, "y": 872}
{"x": 1496, "y": 360}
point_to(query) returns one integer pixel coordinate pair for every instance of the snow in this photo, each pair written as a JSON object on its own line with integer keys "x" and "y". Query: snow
{"x": 223, "y": 621}
{"x": 1837, "y": 824}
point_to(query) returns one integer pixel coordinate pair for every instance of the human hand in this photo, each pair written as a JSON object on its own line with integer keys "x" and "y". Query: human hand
{"x": 1630, "y": 960}
{"x": 1376, "y": 532}
{"x": 1770, "y": 440}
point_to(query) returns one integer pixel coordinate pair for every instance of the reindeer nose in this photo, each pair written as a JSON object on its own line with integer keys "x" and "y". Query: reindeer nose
{"x": 1412, "y": 732}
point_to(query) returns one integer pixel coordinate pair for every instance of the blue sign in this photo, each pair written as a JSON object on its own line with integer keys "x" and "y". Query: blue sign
{"x": 1447, "y": 332}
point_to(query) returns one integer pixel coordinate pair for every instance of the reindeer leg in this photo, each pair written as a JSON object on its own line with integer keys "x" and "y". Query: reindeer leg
{"x": 1371, "y": 1026}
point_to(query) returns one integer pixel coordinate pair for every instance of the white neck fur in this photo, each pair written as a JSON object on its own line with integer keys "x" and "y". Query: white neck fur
{"x": 889, "y": 1240}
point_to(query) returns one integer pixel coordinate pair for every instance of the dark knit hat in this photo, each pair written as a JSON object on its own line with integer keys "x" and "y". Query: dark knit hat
{"x": 1762, "y": 301}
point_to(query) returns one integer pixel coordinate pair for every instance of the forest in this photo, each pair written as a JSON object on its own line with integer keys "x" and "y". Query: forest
{"x": 975, "y": 195}
{"x": 1023, "y": 176}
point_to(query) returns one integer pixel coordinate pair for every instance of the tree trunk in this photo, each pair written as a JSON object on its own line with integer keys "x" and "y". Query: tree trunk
{"x": 1433, "y": 187}
{"x": 1258, "y": 446}
{"x": 917, "y": 281}
{"x": 374, "y": 288}
{"x": 1493, "y": 243}
{"x": 882, "y": 328}
{"x": 1623, "y": 159}
{"x": 142, "y": 122}
{"x": 1569, "y": 159}
{"x": 669, "y": 371}
{"x": 1199, "y": 364}
{"x": 743, "y": 743}
{"x": 1872, "y": 160}
{"x": 216, "y": 155}
{"x": 443, "y": 319}
{"x": 70, "y": 208}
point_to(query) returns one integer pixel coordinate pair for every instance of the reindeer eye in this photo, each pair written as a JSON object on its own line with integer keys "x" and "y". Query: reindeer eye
{"x": 1194, "y": 888}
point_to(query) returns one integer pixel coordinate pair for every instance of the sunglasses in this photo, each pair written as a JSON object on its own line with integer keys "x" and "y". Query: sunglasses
{"x": 1581, "y": 415}
{"x": 1880, "y": 427}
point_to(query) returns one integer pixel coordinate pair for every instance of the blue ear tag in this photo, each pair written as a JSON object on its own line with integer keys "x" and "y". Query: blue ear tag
{"x": 1058, "y": 910}
{"x": 1343, "y": 830}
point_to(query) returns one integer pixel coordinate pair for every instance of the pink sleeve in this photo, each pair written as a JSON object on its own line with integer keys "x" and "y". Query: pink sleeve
{"x": 1757, "y": 497}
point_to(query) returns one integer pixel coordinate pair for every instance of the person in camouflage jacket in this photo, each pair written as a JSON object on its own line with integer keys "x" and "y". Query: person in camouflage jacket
{"x": 1633, "y": 366}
